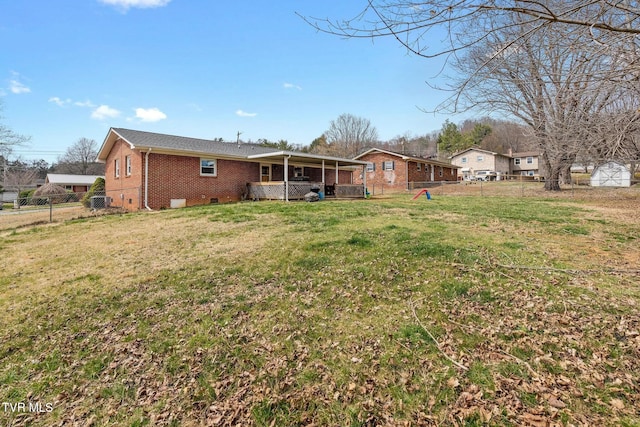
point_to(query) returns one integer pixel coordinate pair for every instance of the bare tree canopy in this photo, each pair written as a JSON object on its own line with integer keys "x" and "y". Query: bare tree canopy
{"x": 415, "y": 23}
{"x": 9, "y": 139}
{"x": 564, "y": 94}
{"x": 80, "y": 159}
{"x": 568, "y": 70}
{"x": 347, "y": 136}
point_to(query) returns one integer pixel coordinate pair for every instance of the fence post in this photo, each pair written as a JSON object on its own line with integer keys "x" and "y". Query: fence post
{"x": 572, "y": 195}
{"x": 50, "y": 209}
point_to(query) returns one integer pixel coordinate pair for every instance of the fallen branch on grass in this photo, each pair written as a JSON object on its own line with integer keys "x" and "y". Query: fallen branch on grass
{"x": 526, "y": 364}
{"x": 458, "y": 364}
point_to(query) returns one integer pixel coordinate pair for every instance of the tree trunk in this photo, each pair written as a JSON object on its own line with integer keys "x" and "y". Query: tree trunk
{"x": 552, "y": 182}
{"x": 565, "y": 175}
{"x": 552, "y": 178}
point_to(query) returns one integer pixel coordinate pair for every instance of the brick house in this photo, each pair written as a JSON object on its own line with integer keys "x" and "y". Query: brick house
{"x": 145, "y": 170}
{"x": 389, "y": 169}
{"x": 79, "y": 184}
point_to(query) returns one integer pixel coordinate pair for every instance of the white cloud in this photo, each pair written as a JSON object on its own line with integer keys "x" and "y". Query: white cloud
{"x": 59, "y": 102}
{"x": 150, "y": 114}
{"x": 141, "y": 4}
{"x": 104, "y": 112}
{"x": 87, "y": 104}
{"x": 64, "y": 102}
{"x": 245, "y": 114}
{"x": 291, "y": 86}
{"x": 17, "y": 87}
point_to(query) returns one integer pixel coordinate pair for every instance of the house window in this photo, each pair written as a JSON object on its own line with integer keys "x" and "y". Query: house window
{"x": 516, "y": 161}
{"x": 116, "y": 168}
{"x": 208, "y": 167}
{"x": 371, "y": 167}
{"x": 388, "y": 166}
{"x": 265, "y": 173}
{"x": 529, "y": 160}
{"x": 419, "y": 166}
{"x": 297, "y": 172}
{"x": 464, "y": 160}
{"x": 480, "y": 158}
{"x": 440, "y": 171}
{"x": 127, "y": 165}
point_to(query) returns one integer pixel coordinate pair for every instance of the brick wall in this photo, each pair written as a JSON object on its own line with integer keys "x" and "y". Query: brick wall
{"x": 178, "y": 177}
{"x": 125, "y": 190}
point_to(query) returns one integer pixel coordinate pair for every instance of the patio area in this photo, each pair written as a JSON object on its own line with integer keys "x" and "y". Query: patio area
{"x": 293, "y": 190}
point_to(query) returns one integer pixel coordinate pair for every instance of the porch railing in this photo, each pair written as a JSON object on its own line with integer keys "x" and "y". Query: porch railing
{"x": 297, "y": 190}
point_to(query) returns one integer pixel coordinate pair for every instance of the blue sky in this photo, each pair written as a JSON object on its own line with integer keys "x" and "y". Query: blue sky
{"x": 71, "y": 69}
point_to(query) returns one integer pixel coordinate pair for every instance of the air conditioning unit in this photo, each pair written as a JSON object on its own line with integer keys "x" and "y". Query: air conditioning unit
{"x": 100, "y": 202}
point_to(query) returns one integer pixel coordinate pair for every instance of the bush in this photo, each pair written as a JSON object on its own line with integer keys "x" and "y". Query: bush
{"x": 97, "y": 189}
{"x": 70, "y": 197}
{"x": 26, "y": 197}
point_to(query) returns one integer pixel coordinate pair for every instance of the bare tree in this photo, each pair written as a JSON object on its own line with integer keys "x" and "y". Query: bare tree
{"x": 19, "y": 177}
{"x": 560, "y": 92}
{"x": 348, "y": 135}
{"x": 8, "y": 140}
{"x": 411, "y": 145}
{"x": 80, "y": 159}
{"x": 418, "y": 24}
{"x": 556, "y": 65}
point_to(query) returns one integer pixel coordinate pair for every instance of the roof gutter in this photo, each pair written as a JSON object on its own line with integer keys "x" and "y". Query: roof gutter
{"x": 146, "y": 180}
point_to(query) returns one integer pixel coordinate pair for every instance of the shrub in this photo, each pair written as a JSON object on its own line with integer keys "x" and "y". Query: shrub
{"x": 97, "y": 189}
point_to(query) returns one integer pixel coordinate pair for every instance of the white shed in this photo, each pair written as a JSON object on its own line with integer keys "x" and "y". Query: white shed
{"x": 611, "y": 174}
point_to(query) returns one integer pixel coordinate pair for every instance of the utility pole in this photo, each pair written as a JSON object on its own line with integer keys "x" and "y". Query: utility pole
{"x": 238, "y": 138}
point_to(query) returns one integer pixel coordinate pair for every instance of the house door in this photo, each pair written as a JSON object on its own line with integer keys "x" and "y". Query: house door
{"x": 265, "y": 173}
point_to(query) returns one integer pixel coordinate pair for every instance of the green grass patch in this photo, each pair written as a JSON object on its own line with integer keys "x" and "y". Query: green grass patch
{"x": 310, "y": 313}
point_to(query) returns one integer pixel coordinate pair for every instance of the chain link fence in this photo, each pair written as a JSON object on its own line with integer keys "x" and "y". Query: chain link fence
{"x": 45, "y": 208}
{"x": 527, "y": 187}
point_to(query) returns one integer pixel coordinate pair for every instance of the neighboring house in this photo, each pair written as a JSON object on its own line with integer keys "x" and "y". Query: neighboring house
{"x": 611, "y": 174}
{"x": 390, "y": 169}
{"x": 155, "y": 171}
{"x": 527, "y": 164}
{"x": 475, "y": 161}
{"x": 76, "y": 183}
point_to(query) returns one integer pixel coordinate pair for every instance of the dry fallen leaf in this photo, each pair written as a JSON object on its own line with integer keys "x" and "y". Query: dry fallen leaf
{"x": 556, "y": 403}
{"x": 617, "y": 403}
{"x": 453, "y": 382}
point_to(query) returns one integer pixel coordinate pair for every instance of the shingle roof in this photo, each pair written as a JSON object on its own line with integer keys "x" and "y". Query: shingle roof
{"x": 145, "y": 140}
{"x": 68, "y": 179}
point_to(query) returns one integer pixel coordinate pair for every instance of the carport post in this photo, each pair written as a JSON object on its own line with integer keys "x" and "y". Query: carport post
{"x": 286, "y": 178}
{"x": 364, "y": 180}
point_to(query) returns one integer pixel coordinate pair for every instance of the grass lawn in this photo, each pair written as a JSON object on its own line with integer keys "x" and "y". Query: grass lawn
{"x": 455, "y": 311}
